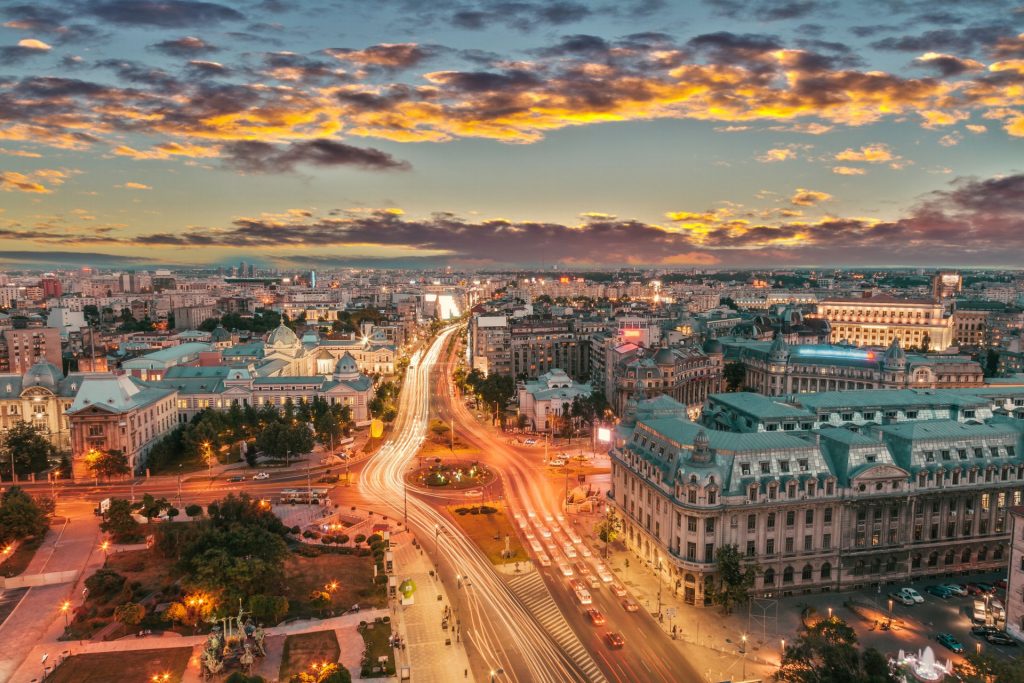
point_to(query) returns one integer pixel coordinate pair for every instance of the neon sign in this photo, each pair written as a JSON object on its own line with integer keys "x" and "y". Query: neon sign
{"x": 834, "y": 352}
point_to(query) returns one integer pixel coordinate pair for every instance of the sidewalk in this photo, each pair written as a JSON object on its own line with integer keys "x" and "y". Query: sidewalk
{"x": 428, "y": 654}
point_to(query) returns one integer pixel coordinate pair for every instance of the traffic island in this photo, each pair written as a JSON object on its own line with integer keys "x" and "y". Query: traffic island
{"x": 438, "y": 474}
{"x": 491, "y": 530}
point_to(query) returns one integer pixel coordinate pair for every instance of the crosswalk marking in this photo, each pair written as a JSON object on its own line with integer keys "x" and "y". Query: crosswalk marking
{"x": 533, "y": 593}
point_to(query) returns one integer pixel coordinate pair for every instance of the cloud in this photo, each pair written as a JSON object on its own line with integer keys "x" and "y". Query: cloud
{"x": 26, "y": 47}
{"x": 187, "y": 46}
{"x": 385, "y": 55}
{"x": 168, "y": 150}
{"x": 34, "y": 44}
{"x": 132, "y": 185}
{"x": 803, "y": 197}
{"x": 766, "y": 10}
{"x": 521, "y": 16}
{"x": 162, "y": 13}
{"x": 951, "y": 140}
{"x": 948, "y": 65}
{"x": 848, "y": 170}
{"x": 777, "y": 154}
{"x": 252, "y": 156}
{"x": 877, "y": 153}
{"x": 65, "y": 258}
{"x": 39, "y": 181}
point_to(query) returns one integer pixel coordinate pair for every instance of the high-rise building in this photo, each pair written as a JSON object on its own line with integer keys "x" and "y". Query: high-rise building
{"x": 21, "y": 349}
{"x": 51, "y": 286}
{"x": 946, "y": 284}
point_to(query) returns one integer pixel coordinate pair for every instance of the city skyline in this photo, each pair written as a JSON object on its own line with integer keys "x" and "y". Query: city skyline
{"x": 482, "y": 135}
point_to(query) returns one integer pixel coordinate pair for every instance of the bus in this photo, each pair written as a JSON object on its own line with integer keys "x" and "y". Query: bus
{"x": 305, "y": 496}
{"x": 580, "y": 589}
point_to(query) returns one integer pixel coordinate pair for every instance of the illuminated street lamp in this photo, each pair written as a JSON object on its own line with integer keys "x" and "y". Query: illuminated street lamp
{"x": 65, "y": 607}
{"x": 161, "y": 678}
{"x": 830, "y": 614}
{"x": 105, "y": 546}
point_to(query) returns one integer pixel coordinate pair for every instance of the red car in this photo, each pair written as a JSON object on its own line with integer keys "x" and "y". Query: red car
{"x": 971, "y": 588}
{"x": 596, "y": 618}
{"x": 1001, "y": 583}
{"x": 614, "y": 640}
{"x": 629, "y": 605}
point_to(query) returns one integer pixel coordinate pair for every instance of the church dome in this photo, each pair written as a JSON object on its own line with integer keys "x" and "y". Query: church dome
{"x": 43, "y": 374}
{"x": 713, "y": 346}
{"x": 664, "y": 356}
{"x": 219, "y": 334}
{"x": 347, "y": 366}
{"x": 282, "y": 336}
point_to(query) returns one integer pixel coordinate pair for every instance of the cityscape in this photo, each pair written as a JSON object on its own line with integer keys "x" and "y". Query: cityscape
{"x": 511, "y": 341}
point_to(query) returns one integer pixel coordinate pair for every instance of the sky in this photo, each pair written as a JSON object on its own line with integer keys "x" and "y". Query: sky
{"x": 490, "y": 135}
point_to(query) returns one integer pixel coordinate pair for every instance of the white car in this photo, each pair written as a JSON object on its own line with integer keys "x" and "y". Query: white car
{"x": 569, "y": 551}
{"x": 557, "y": 462}
{"x": 530, "y": 442}
{"x": 549, "y": 519}
{"x": 584, "y": 551}
{"x": 544, "y": 560}
{"x": 544, "y": 531}
{"x": 261, "y": 475}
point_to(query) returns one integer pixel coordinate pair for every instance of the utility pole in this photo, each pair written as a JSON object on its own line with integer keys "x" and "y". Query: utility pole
{"x": 659, "y": 594}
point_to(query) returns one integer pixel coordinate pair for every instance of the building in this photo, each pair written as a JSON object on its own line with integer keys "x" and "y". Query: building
{"x": 946, "y": 284}
{"x": 119, "y": 413}
{"x": 776, "y": 368}
{"x": 65, "y": 320}
{"x": 1015, "y": 582}
{"x": 42, "y": 396}
{"x": 540, "y": 345}
{"x": 20, "y": 349}
{"x": 191, "y": 317}
{"x": 824, "y": 510}
{"x": 543, "y": 400}
{"x": 51, "y": 286}
{"x": 153, "y": 366}
{"x": 874, "y": 321}
{"x": 685, "y": 373}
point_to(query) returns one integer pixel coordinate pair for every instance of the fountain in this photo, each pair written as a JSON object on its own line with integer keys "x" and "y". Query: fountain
{"x": 923, "y": 666}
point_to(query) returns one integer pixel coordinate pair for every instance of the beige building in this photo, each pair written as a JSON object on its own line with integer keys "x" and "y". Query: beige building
{"x": 875, "y": 321}
{"x": 825, "y": 510}
{"x": 1015, "y": 583}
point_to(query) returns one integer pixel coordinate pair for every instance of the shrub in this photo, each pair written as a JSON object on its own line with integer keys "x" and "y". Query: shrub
{"x": 193, "y": 510}
{"x": 326, "y": 539}
{"x": 374, "y": 538}
{"x": 343, "y": 538}
{"x": 104, "y": 582}
{"x": 360, "y": 538}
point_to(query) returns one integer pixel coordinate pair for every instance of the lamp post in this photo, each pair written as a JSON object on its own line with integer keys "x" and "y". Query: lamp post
{"x": 659, "y": 593}
{"x": 105, "y": 546}
{"x": 830, "y": 614}
{"x": 65, "y": 607}
{"x": 743, "y": 638}
{"x": 179, "y": 485}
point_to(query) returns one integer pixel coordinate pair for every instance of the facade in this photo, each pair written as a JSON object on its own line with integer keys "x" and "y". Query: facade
{"x": 191, "y": 317}
{"x": 20, "y": 349}
{"x": 118, "y": 412}
{"x": 153, "y": 366}
{"x": 946, "y": 284}
{"x": 544, "y": 399}
{"x": 776, "y": 368}
{"x": 538, "y": 346}
{"x": 823, "y": 510}
{"x": 42, "y": 396}
{"x": 874, "y": 321}
{"x": 1015, "y": 582}
{"x": 685, "y": 373}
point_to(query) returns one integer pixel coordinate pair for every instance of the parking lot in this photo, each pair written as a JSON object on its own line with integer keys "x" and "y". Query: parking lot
{"x": 915, "y": 626}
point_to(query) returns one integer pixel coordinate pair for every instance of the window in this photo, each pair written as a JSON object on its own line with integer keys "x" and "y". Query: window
{"x": 709, "y": 552}
{"x": 751, "y": 522}
{"x": 803, "y": 463}
{"x": 929, "y": 456}
{"x": 691, "y": 496}
{"x": 709, "y": 525}
{"x": 790, "y": 517}
{"x": 789, "y": 545}
{"x": 691, "y": 524}
{"x": 769, "y": 546}
{"x": 784, "y": 466}
{"x": 752, "y": 492}
{"x": 712, "y": 497}
{"x": 826, "y": 571}
{"x": 766, "y": 467}
{"x": 769, "y": 577}
{"x": 745, "y": 468}
{"x": 809, "y": 516}
{"x": 826, "y": 542}
{"x": 787, "y": 575}
{"x": 807, "y": 573}
{"x": 691, "y": 552}
{"x": 771, "y": 520}
{"x": 751, "y": 548}
{"x": 808, "y": 543}
{"x": 828, "y": 515}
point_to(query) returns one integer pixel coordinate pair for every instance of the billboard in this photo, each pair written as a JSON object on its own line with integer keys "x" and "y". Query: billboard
{"x": 604, "y": 434}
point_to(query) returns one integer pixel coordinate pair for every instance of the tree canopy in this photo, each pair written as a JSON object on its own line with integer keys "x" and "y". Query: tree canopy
{"x": 28, "y": 447}
{"x": 827, "y": 652}
{"x": 21, "y": 516}
{"x": 734, "y": 578}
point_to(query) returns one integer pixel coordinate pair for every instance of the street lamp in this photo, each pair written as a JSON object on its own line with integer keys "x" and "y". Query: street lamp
{"x": 105, "y": 546}
{"x": 830, "y": 614}
{"x": 744, "y": 639}
{"x": 65, "y": 607}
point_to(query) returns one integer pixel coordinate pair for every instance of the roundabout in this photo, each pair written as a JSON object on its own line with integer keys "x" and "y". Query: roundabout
{"x": 439, "y": 475}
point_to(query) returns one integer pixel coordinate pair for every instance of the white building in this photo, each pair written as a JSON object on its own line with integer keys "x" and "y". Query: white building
{"x": 547, "y": 396}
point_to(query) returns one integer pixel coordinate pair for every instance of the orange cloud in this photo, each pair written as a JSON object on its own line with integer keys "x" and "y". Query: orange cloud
{"x": 872, "y": 154}
{"x": 131, "y": 185}
{"x": 777, "y": 154}
{"x": 803, "y": 197}
{"x": 848, "y": 170}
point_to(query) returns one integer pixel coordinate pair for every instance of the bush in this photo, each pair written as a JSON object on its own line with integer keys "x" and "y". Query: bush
{"x": 295, "y": 530}
{"x": 193, "y": 510}
{"x": 360, "y": 538}
{"x": 327, "y": 539}
{"x": 104, "y": 583}
{"x": 374, "y": 538}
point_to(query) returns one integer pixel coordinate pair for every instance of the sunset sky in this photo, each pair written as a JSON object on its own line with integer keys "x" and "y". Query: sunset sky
{"x": 315, "y": 134}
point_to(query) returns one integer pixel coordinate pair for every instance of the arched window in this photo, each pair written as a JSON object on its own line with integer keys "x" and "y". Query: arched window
{"x": 787, "y": 575}
{"x": 997, "y": 554}
{"x": 807, "y": 574}
{"x": 890, "y": 564}
{"x": 983, "y": 553}
{"x": 915, "y": 561}
{"x": 858, "y": 568}
{"x": 826, "y": 571}
{"x": 965, "y": 556}
{"x": 949, "y": 557}
{"x": 769, "y": 577}
{"x": 933, "y": 559}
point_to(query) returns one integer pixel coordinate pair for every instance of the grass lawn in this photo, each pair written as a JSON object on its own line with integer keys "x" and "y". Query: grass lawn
{"x": 375, "y": 637}
{"x": 304, "y": 649}
{"x": 135, "y": 666}
{"x": 353, "y": 574}
{"x": 489, "y": 531}
{"x": 20, "y": 558}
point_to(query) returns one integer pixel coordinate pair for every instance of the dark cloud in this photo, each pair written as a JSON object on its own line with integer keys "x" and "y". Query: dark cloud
{"x": 288, "y": 66}
{"x": 187, "y": 46}
{"x": 252, "y": 156}
{"x": 963, "y": 41}
{"x": 390, "y": 56}
{"x": 734, "y": 48}
{"x": 767, "y": 10}
{"x": 162, "y": 13}
{"x": 579, "y": 44}
{"x": 486, "y": 81}
{"x": 948, "y": 65}
{"x": 198, "y": 68}
{"x": 140, "y": 74}
{"x": 65, "y": 258}
{"x": 522, "y": 16}
{"x": 16, "y": 54}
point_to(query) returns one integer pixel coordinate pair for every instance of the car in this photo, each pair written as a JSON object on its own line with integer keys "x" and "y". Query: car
{"x": 1001, "y": 584}
{"x": 557, "y": 462}
{"x": 614, "y": 640}
{"x": 955, "y": 589}
{"x": 619, "y": 590}
{"x": 330, "y": 479}
{"x": 985, "y": 587}
{"x": 948, "y": 641}
{"x": 530, "y": 442}
{"x": 983, "y": 631}
{"x": 1000, "y": 638}
{"x": 938, "y": 591}
{"x": 595, "y": 616}
{"x": 236, "y": 478}
{"x": 972, "y": 588}
{"x": 911, "y": 594}
{"x": 261, "y": 475}
{"x": 630, "y": 606}
{"x": 903, "y": 597}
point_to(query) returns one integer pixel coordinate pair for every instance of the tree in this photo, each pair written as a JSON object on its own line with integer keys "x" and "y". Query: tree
{"x": 609, "y": 528}
{"x": 991, "y": 363}
{"x": 28, "y": 447}
{"x": 828, "y": 651}
{"x": 926, "y": 343}
{"x": 20, "y": 516}
{"x": 268, "y": 609}
{"x": 193, "y": 510}
{"x": 119, "y": 522}
{"x": 320, "y": 600}
{"x": 153, "y": 507}
{"x": 130, "y": 614}
{"x": 733, "y": 578}
{"x": 106, "y": 464}
{"x": 984, "y": 667}
{"x": 327, "y": 673}
{"x": 735, "y": 374}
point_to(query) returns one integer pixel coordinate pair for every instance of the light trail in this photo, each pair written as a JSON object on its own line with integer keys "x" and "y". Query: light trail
{"x": 497, "y": 622}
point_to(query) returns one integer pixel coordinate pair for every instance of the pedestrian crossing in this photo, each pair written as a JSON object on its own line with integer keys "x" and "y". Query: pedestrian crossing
{"x": 533, "y": 593}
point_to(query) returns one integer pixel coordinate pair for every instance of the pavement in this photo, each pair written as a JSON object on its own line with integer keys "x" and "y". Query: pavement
{"x": 432, "y": 653}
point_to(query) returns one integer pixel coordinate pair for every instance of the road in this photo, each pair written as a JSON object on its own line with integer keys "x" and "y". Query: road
{"x": 650, "y": 654}
{"x": 504, "y": 634}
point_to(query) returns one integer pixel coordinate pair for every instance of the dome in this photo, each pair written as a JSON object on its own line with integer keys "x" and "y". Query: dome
{"x": 42, "y": 374}
{"x": 894, "y": 356}
{"x": 219, "y": 334}
{"x": 282, "y": 336}
{"x": 779, "y": 350}
{"x": 713, "y": 346}
{"x": 346, "y": 366}
{"x": 664, "y": 356}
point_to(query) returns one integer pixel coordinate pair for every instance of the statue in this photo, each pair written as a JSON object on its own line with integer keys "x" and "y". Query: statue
{"x": 211, "y": 663}
{"x": 258, "y": 636}
{"x": 247, "y": 658}
{"x": 249, "y": 627}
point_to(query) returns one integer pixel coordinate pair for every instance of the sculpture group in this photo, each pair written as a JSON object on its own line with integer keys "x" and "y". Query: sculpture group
{"x": 224, "y": 649}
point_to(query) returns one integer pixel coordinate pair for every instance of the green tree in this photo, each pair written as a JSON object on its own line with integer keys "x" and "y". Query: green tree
{"x": 328, "y": 673}
{"x": 268, "y": 609}
{"x": 827, "y": 652}
{"x": 193, "y": 510}
{"x": 106, "y": 464}
{"x": 20, "y": 516}
{"x": 119, "y": 522}
{"x": 153, "y": 507}
{"x": 130, "y": 614}
{"x": 985, "y": 667}
{"x": 735, "y": 374}
{"x": 991, "y": 363}
{"x": 27, "y": 446}
{"x": 104, "y": 584}
{"x": 733, "y": 579}
{"x": 609, "y": 528}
